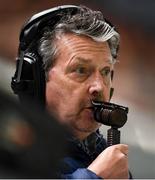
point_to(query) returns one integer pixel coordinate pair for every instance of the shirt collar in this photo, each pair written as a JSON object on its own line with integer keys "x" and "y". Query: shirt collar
{"x": 90, "y": 144}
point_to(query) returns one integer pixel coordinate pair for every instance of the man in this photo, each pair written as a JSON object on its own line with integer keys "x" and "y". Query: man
{"x": 78, "y": 55}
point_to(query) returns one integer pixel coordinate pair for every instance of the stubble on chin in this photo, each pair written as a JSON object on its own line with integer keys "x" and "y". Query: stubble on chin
{"x": 82, "y": 130}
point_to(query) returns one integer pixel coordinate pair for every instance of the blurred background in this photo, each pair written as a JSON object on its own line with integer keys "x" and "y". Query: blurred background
{"x": 134, "y": 73}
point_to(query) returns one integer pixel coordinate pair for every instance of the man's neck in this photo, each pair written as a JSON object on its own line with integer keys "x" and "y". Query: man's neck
{"x": 81, "y": 135}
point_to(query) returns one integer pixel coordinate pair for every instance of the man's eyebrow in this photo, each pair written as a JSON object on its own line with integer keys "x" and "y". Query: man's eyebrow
{"x": 108, "y": 60}
{"x": 86, "y": 61}
{"x": 79, "y": 60}
{"x": 83, "y": 60}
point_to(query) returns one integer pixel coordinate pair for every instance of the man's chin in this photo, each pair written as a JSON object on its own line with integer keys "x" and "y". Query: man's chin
{"x": 82, "y": 131}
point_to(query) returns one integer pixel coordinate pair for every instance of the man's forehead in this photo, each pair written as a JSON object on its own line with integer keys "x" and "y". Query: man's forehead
{"x": 82, "y": 60}
{"x": 72, "y": 38}
{"x": 80, "y": 44}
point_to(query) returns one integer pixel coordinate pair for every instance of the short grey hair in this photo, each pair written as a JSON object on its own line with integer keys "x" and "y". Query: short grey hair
{"x": 85, "y": 22}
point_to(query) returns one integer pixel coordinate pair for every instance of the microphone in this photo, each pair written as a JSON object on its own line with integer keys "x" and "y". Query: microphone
{"x": 112, "y": 115}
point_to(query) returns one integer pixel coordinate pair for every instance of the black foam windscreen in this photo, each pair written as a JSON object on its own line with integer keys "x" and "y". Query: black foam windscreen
{"x": 110, "y": 114}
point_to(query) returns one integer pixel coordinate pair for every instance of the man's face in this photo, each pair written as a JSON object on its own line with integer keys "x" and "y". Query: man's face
{"x": 81, "y": 73}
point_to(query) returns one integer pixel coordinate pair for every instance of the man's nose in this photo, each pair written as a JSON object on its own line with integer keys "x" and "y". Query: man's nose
{"x": 98, "y": 90}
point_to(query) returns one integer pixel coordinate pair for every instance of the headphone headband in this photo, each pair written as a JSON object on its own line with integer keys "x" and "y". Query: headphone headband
{"x": 37, "y": 22}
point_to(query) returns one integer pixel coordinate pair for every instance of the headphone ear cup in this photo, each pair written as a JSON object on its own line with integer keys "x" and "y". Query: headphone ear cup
{"x": 111, "y": 93}
{"x": 22, "y": 77}
{"x": 30, "y": 81}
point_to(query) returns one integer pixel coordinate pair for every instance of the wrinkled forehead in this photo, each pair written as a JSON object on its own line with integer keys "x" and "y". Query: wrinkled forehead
{"x": 76, "y": 45}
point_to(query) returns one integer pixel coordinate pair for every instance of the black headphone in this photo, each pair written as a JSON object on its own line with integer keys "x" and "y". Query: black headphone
{"x": 29, "y": 78}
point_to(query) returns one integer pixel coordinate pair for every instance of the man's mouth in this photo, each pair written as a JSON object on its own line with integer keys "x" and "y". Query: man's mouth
{"x": 89, "y": 112}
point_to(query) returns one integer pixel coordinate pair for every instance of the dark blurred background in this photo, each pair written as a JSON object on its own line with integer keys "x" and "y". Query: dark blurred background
{"x": 134, "y": 73}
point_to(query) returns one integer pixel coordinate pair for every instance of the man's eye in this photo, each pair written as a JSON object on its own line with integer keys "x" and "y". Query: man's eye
{"x": 81, "y": 70}
{"x": 106, "y": 72}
